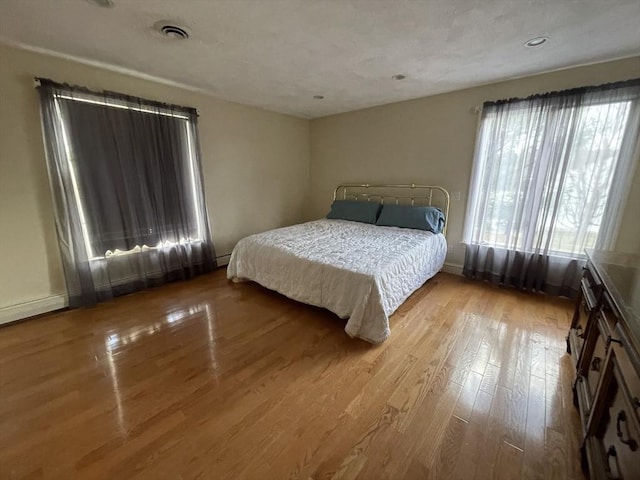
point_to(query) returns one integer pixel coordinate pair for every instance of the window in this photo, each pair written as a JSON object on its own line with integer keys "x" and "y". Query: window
{"x": 550, "y": 178}
{"x": 127, "y": 191}
{"x": 545, "y": 169}
{"x": 105, "y": 180}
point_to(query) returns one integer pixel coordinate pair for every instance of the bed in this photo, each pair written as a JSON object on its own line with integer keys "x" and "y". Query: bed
{"x": 360, "y": 271}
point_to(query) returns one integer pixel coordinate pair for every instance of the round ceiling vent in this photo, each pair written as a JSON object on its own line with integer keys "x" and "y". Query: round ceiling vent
{"x": 171, "y": 30}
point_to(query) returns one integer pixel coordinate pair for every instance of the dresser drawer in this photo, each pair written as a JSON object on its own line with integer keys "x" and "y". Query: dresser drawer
{"x": 586, "y": 306}
{"x": 609, "y": 314}
{"x": 591, "y": 287}
{"x": 619, "y": 432}
{"x": 629, "y": 367}
{"x": 596, "y": 364}
{"x": 582, "y": 314}
{"x": 593, "y": 355}
{"x": 578, "y": 330}
{"x": 630, "y": 381}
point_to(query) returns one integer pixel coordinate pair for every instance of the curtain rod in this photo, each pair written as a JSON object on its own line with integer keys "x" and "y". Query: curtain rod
{"x": 40, "y": 81}
{"x": 570, "y": 91}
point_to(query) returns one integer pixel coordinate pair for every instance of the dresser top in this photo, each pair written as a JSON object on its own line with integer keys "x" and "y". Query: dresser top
{"x": 620, "y": 273}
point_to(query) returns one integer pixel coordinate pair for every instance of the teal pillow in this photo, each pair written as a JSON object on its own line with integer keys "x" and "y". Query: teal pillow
{"x": 405, "y": 216}
{"x": 354, "y": 210}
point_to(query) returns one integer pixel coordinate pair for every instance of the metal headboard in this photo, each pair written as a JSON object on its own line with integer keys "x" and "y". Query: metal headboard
{"x": 415, "y": 195}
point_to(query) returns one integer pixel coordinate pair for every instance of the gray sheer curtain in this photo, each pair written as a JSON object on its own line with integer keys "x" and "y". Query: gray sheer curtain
{"x": 550, "y": 178}
{"x": 127, "y": 191}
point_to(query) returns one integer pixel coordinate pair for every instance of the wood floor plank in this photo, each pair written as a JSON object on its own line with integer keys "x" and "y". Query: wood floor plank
{"x": 447, "y": 454}
{"x": 416, "y": 471}
{"x": 534, "y": 444}
{"x": 209, "y": 379}
{"x": 555, "y": 454}
{"x": 481, "y": 359}
{"x": 509, "y": 462}
{"x": 474, "y": 438}
{"x": 467, "y": 399}
{"x": 515, "y": 416}
{"x": 495, "y": 434}
{"x": 368, "y": 442}
{"x": 435, "y": 412}
{"x": 538, "y": 359}
{"x": 490, "y": 378}
{"x": 554, "y": 415}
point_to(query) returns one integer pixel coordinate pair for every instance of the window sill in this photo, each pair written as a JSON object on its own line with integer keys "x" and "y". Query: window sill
{"x": 142, "y": 249}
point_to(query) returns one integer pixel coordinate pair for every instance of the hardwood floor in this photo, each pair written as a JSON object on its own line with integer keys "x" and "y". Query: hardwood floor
{"x": 207, "y": 379}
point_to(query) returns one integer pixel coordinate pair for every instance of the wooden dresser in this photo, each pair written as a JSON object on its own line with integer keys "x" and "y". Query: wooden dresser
{"x": 604, "y": 342}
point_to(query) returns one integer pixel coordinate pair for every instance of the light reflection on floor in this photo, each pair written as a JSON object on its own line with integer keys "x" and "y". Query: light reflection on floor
{"x": 116, "y": 342}
{"x": 514, "y": 342}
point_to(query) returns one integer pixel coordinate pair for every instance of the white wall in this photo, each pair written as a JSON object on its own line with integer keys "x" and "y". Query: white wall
{"x": 261, "y": 169}
{"x": 431, "y": 141}
{"x": 255, "y": 163}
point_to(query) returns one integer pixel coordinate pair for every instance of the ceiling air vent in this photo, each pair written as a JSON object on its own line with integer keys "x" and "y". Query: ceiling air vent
{"x": 171, "y": 30}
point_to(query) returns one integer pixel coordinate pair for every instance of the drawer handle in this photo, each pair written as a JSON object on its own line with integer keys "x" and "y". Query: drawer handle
{"x": 622, "y": 417}
{"x": 611, "y": 452}
{"x": 596, "y": 363}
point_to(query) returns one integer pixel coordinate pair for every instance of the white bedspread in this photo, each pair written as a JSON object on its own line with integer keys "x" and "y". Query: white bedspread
{"x": 358, "y": 271}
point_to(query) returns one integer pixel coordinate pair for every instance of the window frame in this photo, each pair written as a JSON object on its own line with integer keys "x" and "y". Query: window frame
{"x": 475, "y": 235}
{"x": 72, "y": 160}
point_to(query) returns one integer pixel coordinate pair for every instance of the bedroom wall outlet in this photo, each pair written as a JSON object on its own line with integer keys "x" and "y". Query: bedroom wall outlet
{"x": 455, "y": 195}
{"x": 450, "y": 249}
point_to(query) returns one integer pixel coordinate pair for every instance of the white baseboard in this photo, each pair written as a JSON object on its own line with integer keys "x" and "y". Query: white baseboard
{"x": 19, "y": 311}
{"x": 223, "y": 260}
{"x": 452, "y": 268}
{"x": 31, "y": 308}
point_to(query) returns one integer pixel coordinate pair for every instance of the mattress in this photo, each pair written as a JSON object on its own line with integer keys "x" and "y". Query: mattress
{"x": 356, "y": 270}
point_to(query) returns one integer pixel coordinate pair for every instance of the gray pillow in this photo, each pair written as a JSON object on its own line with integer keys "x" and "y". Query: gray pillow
{"x": 405, "y": 216}
{"x": 354, "y": 210}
